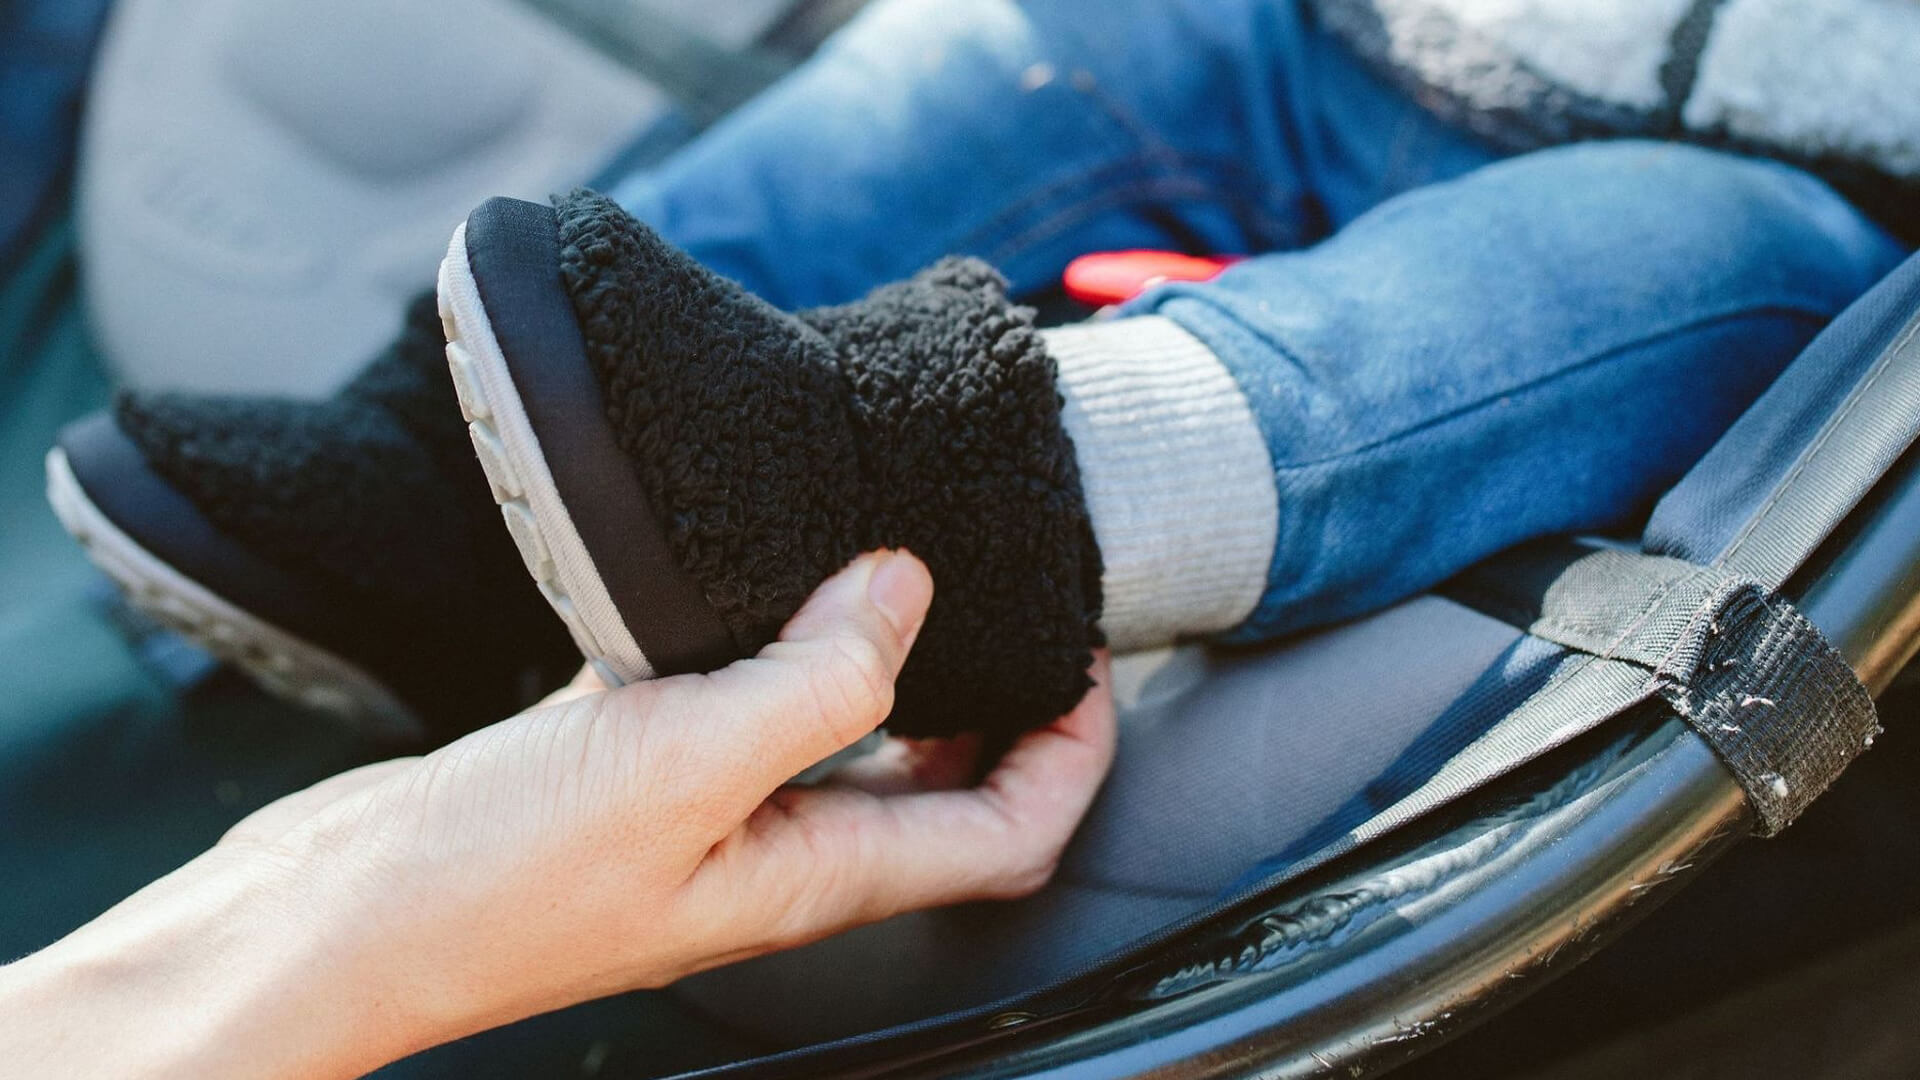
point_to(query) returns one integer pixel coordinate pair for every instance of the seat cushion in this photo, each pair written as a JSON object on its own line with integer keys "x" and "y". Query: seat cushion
{"x": 1226, "y": 759}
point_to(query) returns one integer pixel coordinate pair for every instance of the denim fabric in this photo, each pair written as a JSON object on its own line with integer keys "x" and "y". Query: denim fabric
{"x": 1542, "y": 346}
{"x": 1031, "y": 133}
{"x": 1471, "y": 352}
{"x": 46, "y": 49}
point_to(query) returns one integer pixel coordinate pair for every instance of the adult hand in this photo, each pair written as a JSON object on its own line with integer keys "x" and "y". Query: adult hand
{"x": 605, "y": 841}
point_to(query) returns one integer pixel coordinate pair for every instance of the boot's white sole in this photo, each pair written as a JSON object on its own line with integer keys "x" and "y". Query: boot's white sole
{"x": 522, "y": 484}
{"x": 282, "y": 663}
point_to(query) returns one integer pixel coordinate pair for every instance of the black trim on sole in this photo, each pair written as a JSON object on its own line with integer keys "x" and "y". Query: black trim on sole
{"x": 513, "y": 250}
{"x": 175, "y": 567}
{"x": 126, "y": 490}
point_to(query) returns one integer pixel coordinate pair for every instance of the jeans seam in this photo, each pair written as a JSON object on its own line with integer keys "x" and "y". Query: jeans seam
{"x": 1197, "y": 177}
{"x": 1269, "y": 605}
{"x": 1180, "y": 184}
{"x": 1092, "y": 197}
{"x": 1157, "y": 149}
{"x": 1808, "y": 311}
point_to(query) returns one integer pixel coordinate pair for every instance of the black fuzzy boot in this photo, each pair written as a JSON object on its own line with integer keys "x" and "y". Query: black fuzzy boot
{"x": 682, "y": 463}
{"x": 343, "y": 552}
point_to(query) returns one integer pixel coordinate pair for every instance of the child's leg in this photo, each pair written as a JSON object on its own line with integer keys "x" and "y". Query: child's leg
{"x": 1030, "y": 133}
{"x": 1541, "y": 346}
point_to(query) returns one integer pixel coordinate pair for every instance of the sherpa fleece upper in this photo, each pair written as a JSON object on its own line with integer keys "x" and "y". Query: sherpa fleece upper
{"x": 775, "y": 447}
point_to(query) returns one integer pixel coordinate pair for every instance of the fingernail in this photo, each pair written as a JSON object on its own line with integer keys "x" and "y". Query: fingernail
{"x": 901, "y": 588}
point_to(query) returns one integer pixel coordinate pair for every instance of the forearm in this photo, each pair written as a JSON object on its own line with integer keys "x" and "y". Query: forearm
{"x": 601, "y": 844}
{"x": 228, "y": 967}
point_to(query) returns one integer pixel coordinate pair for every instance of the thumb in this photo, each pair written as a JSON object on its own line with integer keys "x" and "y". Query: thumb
{"x": 828, "y": 681}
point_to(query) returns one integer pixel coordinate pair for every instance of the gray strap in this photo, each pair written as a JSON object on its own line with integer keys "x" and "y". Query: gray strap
{"x": 1750, "y": 674}
{"x": 1854, "y": 449}
{"x": 1772, "y": 697}
{"x": 1816, "y": 714}
{"x": 1826, "y": 715}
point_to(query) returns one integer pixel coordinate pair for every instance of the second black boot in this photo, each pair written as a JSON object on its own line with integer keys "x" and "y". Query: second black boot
{"x": 343, "y": 552}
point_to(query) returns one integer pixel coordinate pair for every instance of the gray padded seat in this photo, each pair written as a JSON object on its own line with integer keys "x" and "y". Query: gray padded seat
{"x": 1226, "y": 758}
{"x": 256, "y": 210}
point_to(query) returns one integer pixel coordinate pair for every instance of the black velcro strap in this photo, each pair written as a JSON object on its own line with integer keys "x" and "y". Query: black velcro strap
{"x": 1771, "y": 695}
{"x": 1761, "y": 684}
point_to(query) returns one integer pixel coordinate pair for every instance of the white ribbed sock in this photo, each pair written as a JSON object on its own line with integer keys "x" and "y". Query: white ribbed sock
{"x": 1177, "y": 477}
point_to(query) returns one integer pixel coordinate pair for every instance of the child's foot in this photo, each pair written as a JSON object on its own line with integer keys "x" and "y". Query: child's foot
{"x": 341, "y": 552}
{"x": 680, "y": 463}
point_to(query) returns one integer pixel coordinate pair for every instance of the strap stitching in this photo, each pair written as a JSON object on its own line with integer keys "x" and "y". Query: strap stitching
{"x": 1611, "y": 651}
{"x": 1881, "y": 367}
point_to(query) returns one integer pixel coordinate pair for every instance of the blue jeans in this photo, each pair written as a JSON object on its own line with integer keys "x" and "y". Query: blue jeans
{"x": 46, "y": 49}
{"x": 1447, "y": 352}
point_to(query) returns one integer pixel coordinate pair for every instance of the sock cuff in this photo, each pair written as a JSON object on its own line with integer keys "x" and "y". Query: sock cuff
{"x": 1177, "y": 477}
